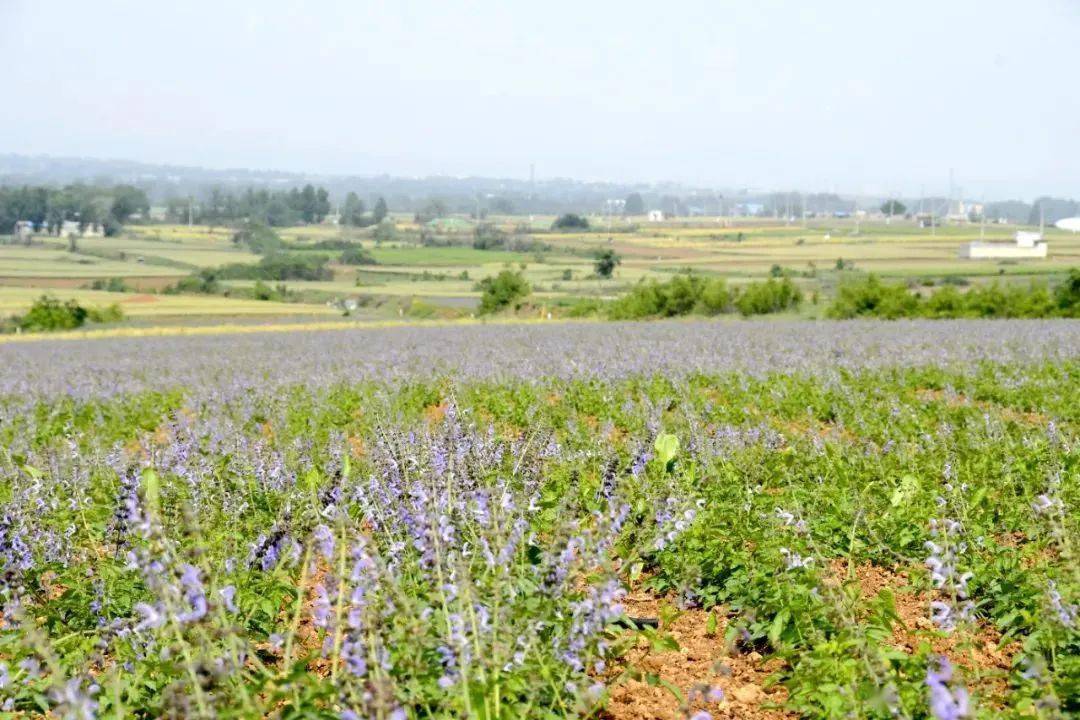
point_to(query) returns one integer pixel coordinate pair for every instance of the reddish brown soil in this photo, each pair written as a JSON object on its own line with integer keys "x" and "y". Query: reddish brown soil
{"x": 701, "y": 659}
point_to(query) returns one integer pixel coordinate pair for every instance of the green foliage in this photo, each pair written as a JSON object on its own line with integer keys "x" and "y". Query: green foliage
{"x": 893, "y": 207}
{"x": 849, "y": 472}
{"x": 48, "y": 314}
{"x": 111, "y": 285}
{"x": 606, "y": 262}
{"x": 380, "y": 211}
{"x": 356, "y": 255}
{"x": 128, "y": 200}
{"x": 259, "y": 238}
{"x": 570, "y": 221}
{"x": 204, "y": 282}
{"x": 279, "y": 267}
{"x": 282, "y": 208}
{"x": 385, "y": 231}
{"x": 501, "y": 291}
{"x": 771, "y": 296}
{"x": 692, "y": 294}
{"x": 872, "y": 297}
{"x": 635, "y": 205}
{"x": 352, "y": 212}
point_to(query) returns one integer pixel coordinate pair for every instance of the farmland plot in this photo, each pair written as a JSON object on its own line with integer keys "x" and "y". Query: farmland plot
{"x": 669, "y": 520}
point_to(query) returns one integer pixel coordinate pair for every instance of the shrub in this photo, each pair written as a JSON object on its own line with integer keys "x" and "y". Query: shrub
{"x": 570, "y": 221}
{"x": 870, "y": 297}
{"x": 48, "y": 314}
{"x": 259, "y": 238}
{"x": 771, "y": 296}
{"x": 1067, "y": 295}
{"x": 502, "y": 290}
{"x": 279, "y": 267}
{"x": 606, "y": 262}
{"x": 356, "y": 255}
{"x": 682, "y": 295}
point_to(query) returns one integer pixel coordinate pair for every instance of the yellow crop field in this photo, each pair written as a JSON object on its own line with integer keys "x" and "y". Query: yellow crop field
{"x": 15, "y": 300}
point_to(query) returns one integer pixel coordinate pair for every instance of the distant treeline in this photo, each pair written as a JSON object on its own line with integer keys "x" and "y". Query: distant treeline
{"x": 91, "y": 206}
{"x": 871, "y": 297}
{"x": 280, "y": 208}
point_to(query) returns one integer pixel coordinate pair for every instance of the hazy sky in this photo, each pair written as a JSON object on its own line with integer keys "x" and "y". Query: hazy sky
{"x": 853, "y": 95}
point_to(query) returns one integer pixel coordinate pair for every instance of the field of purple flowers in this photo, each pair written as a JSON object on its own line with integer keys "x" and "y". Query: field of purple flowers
{"x": 678, "y": 520}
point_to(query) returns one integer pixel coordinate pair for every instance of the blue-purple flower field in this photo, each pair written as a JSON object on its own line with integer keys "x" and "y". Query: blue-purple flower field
{"x": 673, "y": 520}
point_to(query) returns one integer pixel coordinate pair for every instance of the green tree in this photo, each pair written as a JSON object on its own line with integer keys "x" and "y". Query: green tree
{"x": 352, "y": 212}
{"x": 570, "y": 221}
{"x": 606, "y": 262}
{"x": 893, "y": 207}
{"x": 499, "y": 292}
{"x": 635, "y": 205}
{"x": 128, "y": 200}
{"x": 380, "y": 211}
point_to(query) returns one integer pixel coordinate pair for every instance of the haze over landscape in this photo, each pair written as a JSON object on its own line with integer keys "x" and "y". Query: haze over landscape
{"x": 830, "y": 96}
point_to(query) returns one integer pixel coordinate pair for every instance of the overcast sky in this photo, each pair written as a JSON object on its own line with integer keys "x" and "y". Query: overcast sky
{"x": 853, "y": 95}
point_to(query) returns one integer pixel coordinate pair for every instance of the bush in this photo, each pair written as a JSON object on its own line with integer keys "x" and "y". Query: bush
{"x": 606, "y": 262}
{"x": 48, "y": 314}
{"x": 502, "y": 290}
{"x": 687, "y": 294}
{"x": 111, "y": 285}
{"x": 870, "y": 297}
{"x": 279, "y": 267}
{"x": 771, "y": 296}
{"x": 204, "y": 282}
{"x": 1067, "y": 295}
{"x": 570, "y": 221}
{"x": 259, "y": 238}
{"x": 356, "y": 255}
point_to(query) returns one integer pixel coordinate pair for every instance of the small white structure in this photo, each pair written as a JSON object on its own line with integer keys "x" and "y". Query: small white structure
{"x": 1071, "y": 224}
{"x": 656, "y": 216}
{"x": 23, "y": 230}
{"x": 71, "y": 227}
{"x": 1025, "y": 245}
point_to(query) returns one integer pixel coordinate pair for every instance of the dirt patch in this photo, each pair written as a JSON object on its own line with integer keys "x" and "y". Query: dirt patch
{"x": 702, "y": 659}
{"x": 976, "y": 648}
{"x": 957, "y": 400}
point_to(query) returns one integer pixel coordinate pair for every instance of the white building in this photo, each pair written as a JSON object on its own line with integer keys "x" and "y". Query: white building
{"x": 23, "y": 230}
{"x": 656, "y": 216}
{"x": 1025, "y": 245}
{"x": 71, "y": 227}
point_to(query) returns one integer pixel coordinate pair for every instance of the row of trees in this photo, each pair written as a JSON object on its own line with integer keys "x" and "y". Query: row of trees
{"x": 872, "y": 297}
{"x": 354, "y": 214}
{"x": 279, "y": 208}
{"x": 282, "y": 208}
{"x": 49, "y": 208}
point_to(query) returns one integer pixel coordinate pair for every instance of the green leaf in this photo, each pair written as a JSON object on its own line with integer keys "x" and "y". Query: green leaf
{"x": 909, "y": 485}
{"x": 667, "y": 447}
{"x": 777, "y": 626}
{"x": 710, "y": 625}
{"x": 151, "y": 487}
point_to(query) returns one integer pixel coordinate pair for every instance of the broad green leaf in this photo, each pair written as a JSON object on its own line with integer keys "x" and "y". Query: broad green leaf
{"x": 667, "y": 447}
